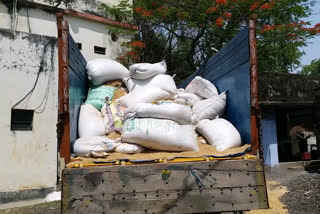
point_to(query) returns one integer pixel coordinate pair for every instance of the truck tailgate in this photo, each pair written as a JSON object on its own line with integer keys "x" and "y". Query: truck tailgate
{"x": 197, "y": 187}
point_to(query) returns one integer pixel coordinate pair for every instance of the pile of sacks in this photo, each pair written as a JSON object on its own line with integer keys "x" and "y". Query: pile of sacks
{"x": 127, "y": 111}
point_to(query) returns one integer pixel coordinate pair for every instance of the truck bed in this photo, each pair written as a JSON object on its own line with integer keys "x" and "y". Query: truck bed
{"x": 206, "y": 151}
{"x": 163, "y": 182}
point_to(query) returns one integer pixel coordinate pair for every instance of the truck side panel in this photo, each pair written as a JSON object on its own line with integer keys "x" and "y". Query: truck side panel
{"x": 78, "y": 86}
{"x": 198, "y": 187}
{"x": 229, "y": 70}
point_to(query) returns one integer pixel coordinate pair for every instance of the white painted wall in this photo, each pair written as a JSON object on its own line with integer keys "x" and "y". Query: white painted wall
{"x": 28, "y": 159}
{"x": 92, "y": 34}
{"x": 89, "y": 33}
{"x": 29, "y": 20}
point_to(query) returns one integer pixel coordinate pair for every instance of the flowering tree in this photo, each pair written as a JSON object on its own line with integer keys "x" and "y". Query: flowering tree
{"x": 312, "y": 69}
{"x": 185, "y": 33}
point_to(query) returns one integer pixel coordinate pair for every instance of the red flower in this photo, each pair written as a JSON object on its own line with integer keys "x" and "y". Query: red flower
{"x": 219, "y": 22}
{"x": 272, "y": 3}
{"x": 211, "y": 10}
{"x": 131, "y": 53}
{"x": 302, "y": 23}
{"x": 146, "y": 13}
{"x": 312, "y": 30}
{"x": 317, "y": 25}
{"x": 266, "y": 6}
{"x": 163, "y": 11}
{"x": 138, "y": 44}
{"x": 254, "y": 5}
{"x": 122, "y": 58}
{"x": 138, "y": 9}
{"x": 227, "y": 15}
{"x": 221, "y": 2}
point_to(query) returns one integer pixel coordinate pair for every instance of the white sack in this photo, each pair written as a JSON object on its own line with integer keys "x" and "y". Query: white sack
{"x": 85, "y": 145}
{"x": 186, "y": 98}
{"x": 201, "y": 87}
{"x": 162, "y": 81}
{"x": 210, "y": 108}
{"x": 147, "y": 70}
{"x": 144, "y": 95}
{"x": 159, "y": 134}
{"x": 180, "y": 90}
{"x": 129, "y": 148}
{"x": 90, "y": 122}
{"x": 103, "y": 70}
{"x": 171, "y": 111}
{"x": 220, "y": 133}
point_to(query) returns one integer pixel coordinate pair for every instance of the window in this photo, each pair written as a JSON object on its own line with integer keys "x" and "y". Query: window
{"x": 79, "y": 46}
{"x": 99, "y": 50}
{"x": 21, "y": 119}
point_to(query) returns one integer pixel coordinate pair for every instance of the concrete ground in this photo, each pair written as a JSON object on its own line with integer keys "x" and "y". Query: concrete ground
{"x": 289, "y": 191}
{"x": 31, "y": 207}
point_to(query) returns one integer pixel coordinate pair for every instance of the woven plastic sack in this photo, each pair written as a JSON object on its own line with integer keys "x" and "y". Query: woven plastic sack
{"x": 97, "y": 95}
{"x": 159, "y": 134}
{"x": 220, "y": 133}
{"x": 144, "y": 71}
{"x": 90, "y": 122}
{"x": 201, "y": 87}
{"x": 129, "y": 148}
{"x": 210, "y": 108}
{"x": 86, "y": 145}
{"x": 186, "y": 98}
{"x": 161, "y": 81}
{"x": 170, "y": 111}
{"x": 103, "y": 70}
{"x": 144, "y": 95}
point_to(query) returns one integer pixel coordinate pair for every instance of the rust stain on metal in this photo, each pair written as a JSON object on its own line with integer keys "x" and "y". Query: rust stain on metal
{"x": 64, "y": 123}
{"x": 254, "y": 85}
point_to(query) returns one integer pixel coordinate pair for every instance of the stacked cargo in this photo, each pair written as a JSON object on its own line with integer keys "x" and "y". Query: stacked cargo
{"x": 128, "y": 111}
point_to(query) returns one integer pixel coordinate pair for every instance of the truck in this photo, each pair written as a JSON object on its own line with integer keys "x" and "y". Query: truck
{"x": 205, "y": 184}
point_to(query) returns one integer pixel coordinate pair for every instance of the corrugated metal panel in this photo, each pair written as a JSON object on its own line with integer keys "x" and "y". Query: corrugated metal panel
{"x": 78, "y": 86}
{"x": 229, "y": 70}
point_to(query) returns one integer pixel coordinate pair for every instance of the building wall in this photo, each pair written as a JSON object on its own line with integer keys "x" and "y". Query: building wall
{"x": 28, "y": 159}
{"x": 29, "y": 20}
{"x": 87, "y": 6}
{"x": 89, "y": 33}
{"x": 269, "y": 137}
